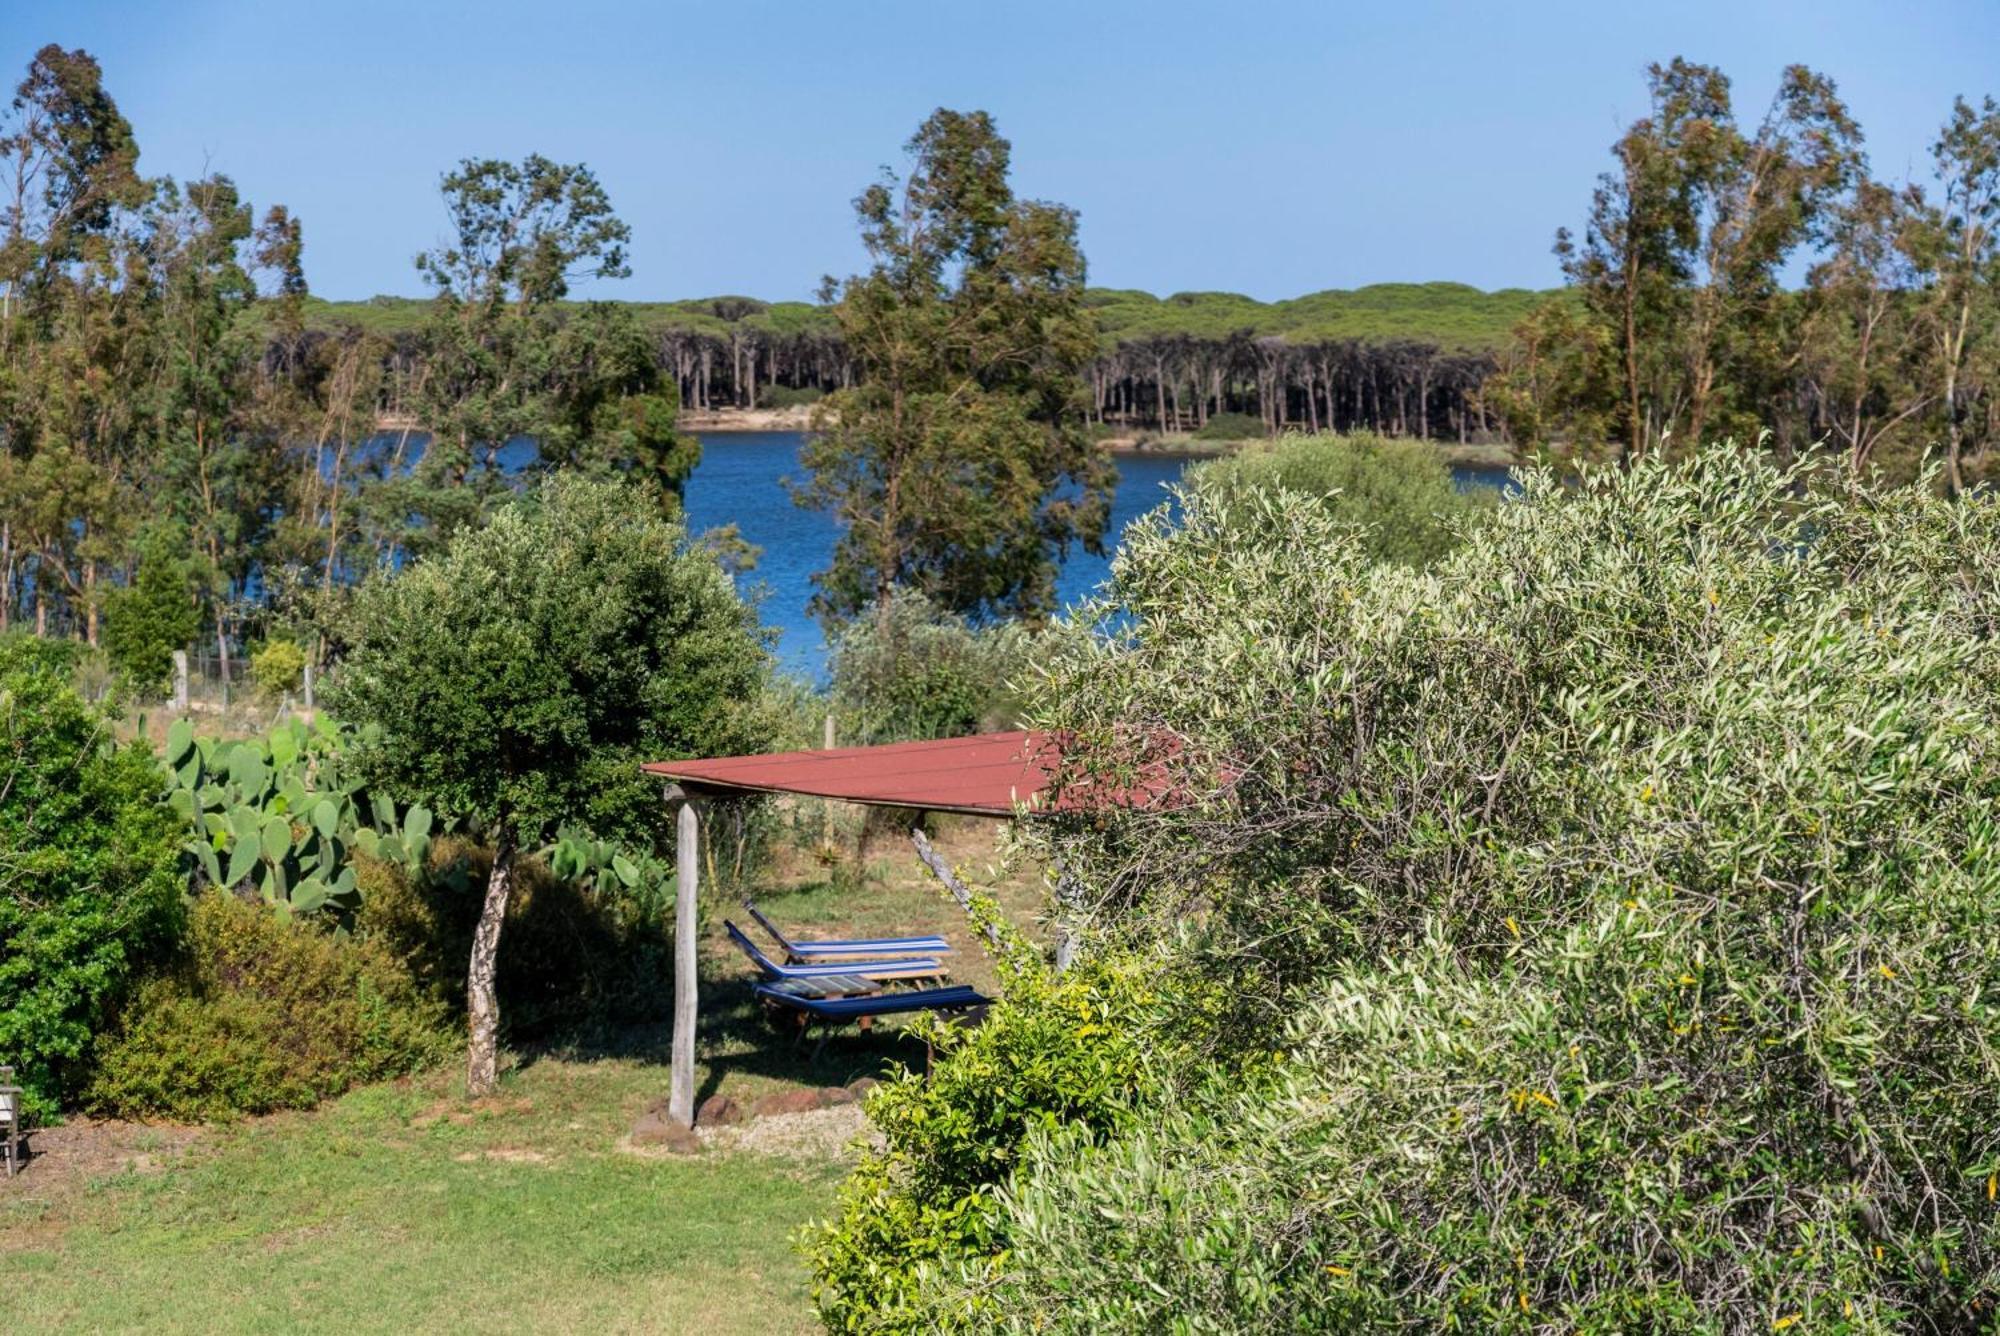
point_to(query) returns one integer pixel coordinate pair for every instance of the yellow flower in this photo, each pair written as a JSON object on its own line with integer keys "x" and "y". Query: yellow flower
{"x": 1785, "y": 1321}
{"x": 1887, "y": 973}
{"x": 1992, "y": 1185}
{"x": 1338, "y": 1271}
{"x": 1524, "y": 1301}
{"x": 1646, "y": 793}
{"x": 1512, "y": 926}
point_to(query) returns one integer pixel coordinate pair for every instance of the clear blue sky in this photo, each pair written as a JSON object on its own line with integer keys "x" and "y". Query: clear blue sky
{"x": 1267, "y": 148}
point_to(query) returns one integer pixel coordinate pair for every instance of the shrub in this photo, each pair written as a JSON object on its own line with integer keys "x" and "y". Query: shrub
{"x": 147, "y": 620}
{"x": 786, "y": 396}
{"x": 1632, "y": 873}
{"x": 1399, "y": 493}
{"x": 1232, "y": 427}
{"x": 277, "y": 667}
{"x": 89, "y": 870}
{"x": 1075, "y": 1049}
{"x": 572, "y": 956}
{"x": 263, "y": 1012}
{"x": 922, "y": 673}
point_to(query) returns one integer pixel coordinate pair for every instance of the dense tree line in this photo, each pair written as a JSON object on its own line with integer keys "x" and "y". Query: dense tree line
{"x": 174, "y": 425}
{"x": 1684, "y": 321}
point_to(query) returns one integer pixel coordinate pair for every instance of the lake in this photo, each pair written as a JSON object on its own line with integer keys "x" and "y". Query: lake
{"x": 739, "y": 481}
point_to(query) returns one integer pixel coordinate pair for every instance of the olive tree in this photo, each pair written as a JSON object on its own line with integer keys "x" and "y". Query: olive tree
{"x": 517, "y": 679}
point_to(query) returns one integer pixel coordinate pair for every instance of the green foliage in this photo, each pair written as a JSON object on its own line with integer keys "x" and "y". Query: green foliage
{"x": 284, "y": 813}
{"x": 89, "y": 889}
{"x": 1076, "y": 1049}
{"x": 913, "y": 671}
{"x": 263, "y": 1013}
{"x": 1629, "y": 877}
{"x": 277, "y": 667}
{"x": 1398, "y": 492}
{"x": 785, "y": 396}
{"x": 579, "y": 955}
{"x": 1231, "y": 427}
{"x": 518, "y": 679}
{"x": 959, "y": 465}
{"x": 147, "y": 620}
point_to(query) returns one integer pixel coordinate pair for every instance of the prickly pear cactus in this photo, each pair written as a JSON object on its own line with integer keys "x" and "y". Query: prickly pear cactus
{"x": 277, "y": 813}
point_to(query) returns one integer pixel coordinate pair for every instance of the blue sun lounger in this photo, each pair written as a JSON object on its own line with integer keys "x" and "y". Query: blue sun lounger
{"x": 872, "y": 971}
{"x": 795, "y": 997}
{"x": 804, "y": 952}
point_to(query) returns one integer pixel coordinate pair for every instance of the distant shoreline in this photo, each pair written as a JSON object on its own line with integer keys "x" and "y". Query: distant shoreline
{"x": 723, "y": 421}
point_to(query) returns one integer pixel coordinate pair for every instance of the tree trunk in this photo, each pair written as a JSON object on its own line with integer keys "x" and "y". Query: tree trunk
{"x": 482, "y": 1005}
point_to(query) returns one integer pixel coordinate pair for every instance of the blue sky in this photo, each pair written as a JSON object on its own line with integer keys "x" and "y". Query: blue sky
{"x": 1268, "y": 148}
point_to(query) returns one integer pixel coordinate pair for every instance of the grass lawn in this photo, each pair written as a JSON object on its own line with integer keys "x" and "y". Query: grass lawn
{"x": 404, "y": 1207}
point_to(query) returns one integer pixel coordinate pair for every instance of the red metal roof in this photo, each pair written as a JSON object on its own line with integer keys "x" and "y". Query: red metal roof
{"x": 989, "y": 774}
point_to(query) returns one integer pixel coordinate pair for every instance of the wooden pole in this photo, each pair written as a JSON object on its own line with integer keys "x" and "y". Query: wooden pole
{"x": 826, "y": 806}
{"x": 687, "y": 860}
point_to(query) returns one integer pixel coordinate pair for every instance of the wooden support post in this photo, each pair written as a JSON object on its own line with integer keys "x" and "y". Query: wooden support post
{"x": 935, "y": 862}
{"x": 687, "y": 860}
{"x": 826, "y": 805}
{"x": 180, "y": 681}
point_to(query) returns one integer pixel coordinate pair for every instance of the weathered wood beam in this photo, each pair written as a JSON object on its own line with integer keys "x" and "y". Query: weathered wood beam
{"x": 935, "y": 862}
{"x": 687, "y": 863}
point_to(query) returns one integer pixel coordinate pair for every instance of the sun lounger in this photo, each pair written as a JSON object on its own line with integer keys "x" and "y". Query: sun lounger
{"x": 802, "y": 952}
{"x": 834, "y": 1011}
{"x": 877, "y": 971}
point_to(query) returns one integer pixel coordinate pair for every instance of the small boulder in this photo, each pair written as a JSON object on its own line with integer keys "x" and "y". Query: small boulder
{"x": 656, "y": 1129}
{"x": 861, "y": 1085}
{"x": 786, "y": 1101}
{"x": 718, "y": 1111}
{"x": 833, "y": 1095}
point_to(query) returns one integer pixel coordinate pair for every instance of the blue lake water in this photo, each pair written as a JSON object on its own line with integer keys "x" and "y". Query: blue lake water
{"x": 740, "y": 481}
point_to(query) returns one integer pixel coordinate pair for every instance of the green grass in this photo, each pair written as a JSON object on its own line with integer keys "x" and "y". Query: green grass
{"x": 368, "y": 1215}
{"x": 404, "y": 1208}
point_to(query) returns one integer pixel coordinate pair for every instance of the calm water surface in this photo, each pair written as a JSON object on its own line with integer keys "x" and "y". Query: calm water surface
{"x": 740, "y": 481}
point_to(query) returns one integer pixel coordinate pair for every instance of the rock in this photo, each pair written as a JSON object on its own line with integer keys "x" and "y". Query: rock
{"x": 861, "y": 1085}
{"x": 786, "y": 1101}
{"x": 656, "y": 1129}
{"x": 833, "y": 1095}
{"x": 718, "y": 1111}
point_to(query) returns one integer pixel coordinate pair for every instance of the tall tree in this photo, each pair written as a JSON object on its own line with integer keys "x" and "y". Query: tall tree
{"x": 1960, "y": 245}
{"x": 960, "y": 464}
{"x": 1687, "y": 240}
{"x": 521, "y": 234}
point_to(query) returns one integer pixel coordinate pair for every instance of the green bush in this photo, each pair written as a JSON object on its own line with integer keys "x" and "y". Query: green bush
{"x": 277, "y": 666}
{"x": 89, "y": 871}
{"x": 573, "y": 958}
{"x": 146, "y": 620}
{"x": 1631, "y": 875}
{"x": 786, "y": 396}
{"x": 264, "y": 1012}
{"x": 1399, "y": 492}
{"x": 922, "y": 673}
{"x": 1075, "y": 1049}
{"x": 1232, "y": 427}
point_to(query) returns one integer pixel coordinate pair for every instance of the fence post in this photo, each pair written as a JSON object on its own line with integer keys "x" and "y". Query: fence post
{"x": 309, "y": 686}
{"x": 180, "y": 681}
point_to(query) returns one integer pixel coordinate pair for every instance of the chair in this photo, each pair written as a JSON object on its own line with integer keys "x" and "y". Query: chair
{"x": 801, "y": 952}
{"x": 873, "y": 971}
{"x": 10, "y": 1121}
{"x": 835, "y": 1011}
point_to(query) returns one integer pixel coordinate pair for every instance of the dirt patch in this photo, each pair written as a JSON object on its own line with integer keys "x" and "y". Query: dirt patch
{"x": 817, "y": 1134}
{"x": 504, "y": 1154}
{"x": 66, "y": 1158}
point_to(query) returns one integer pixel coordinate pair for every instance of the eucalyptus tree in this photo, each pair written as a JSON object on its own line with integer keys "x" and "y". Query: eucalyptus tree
{"x": 959, "y": 465}
{"x": 521, "y": 234}
{"x": 1959, "y": 243}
